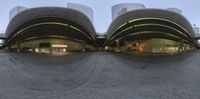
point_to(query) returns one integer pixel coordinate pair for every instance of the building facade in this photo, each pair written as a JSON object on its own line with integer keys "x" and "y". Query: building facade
{"x": 50, "y": 30}
{"x": 151, "y": 31}
{"x": 134, "y": 29}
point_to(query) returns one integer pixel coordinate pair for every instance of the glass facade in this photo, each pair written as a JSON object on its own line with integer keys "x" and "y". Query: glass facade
{"x": 154, "y": 45}
{"x": 50, "y": 45}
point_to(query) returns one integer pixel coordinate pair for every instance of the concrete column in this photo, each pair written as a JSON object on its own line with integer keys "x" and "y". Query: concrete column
{"x": 18, "y": 46}
{"x": 118, "y": 44}
{"x": 83, "y": 45}
{"x": 180, "y": 46}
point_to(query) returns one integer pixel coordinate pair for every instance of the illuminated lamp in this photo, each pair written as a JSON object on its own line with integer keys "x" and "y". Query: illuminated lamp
{"x": 63, "y": 46}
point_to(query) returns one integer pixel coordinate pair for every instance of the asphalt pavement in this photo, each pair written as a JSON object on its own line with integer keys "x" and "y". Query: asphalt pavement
{"x": 99, "y": 75}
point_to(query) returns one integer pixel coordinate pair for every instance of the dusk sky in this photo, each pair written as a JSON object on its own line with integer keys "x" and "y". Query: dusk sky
{"x": 102, "y": 9}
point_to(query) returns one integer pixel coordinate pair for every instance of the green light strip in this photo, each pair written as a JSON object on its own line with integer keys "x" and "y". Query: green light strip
{"x": 141, "y": 25}
{"x": 162, "y": 26}
{"x": 54, "y": 36}
{"x": 146, "y": 32}
{"x": 141, "y": 19}
{"x": 162, "y": 20}
{"x": 49, "y": 23}
{"x": 75, "y": 28}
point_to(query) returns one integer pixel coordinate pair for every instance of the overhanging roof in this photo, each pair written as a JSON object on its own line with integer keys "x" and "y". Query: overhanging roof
{"x": 157, "y": 20}
{"x": 38, "y": 18}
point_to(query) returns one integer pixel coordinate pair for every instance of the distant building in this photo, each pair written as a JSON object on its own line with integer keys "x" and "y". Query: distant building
{"x": 2, "y": 35}
{"x": 82, "y": 8}
{"x": 196, "y": 30}
{"x": 175, "y": 10}
{"x": 124, "y": 10}
{"x": 14, "y": 11}
{"x": 120, "y": 9}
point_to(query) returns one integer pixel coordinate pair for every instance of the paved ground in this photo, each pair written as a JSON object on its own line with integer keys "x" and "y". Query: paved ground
{"x": 99, "y": 75}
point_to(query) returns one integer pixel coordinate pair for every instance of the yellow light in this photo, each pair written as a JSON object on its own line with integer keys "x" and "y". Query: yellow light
{"x": 106, "y": 48}
{"x": 64, "y": 50}
{"x": 36, "y": 50}
{"x": 59, "y": 46}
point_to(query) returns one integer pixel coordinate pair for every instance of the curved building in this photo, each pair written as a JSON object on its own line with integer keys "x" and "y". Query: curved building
{"x": 135, "y": 29}
{"x": 50, "y": 29}
{"x": 151, "y": 30}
